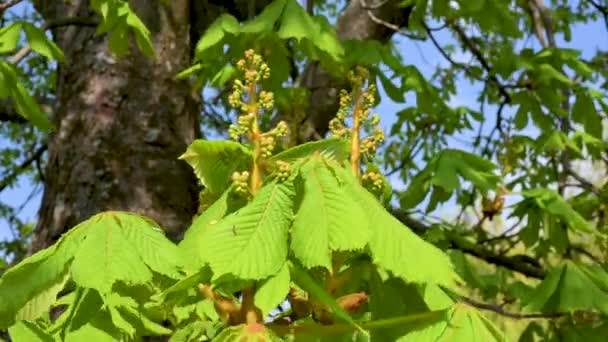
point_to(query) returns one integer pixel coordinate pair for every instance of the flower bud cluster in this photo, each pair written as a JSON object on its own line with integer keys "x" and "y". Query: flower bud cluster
{"x": 373, "y": 181}
{"x": 268, "y": 141}
{"x": 283, "y": 170}
{"x": 254, "y": 70}
{"x": 363, "y": 98}
{"x": 240, "y": 180}
{"x": 370, "y": 144}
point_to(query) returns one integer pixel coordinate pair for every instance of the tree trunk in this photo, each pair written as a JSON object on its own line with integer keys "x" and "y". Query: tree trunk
{"x": 120, "y": 124}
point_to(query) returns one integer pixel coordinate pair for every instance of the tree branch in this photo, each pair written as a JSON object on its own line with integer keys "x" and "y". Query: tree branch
{"x": 26, "y": 163}
{"x": 501, "y": 310}
{"x": 6, "y": 5}
{"x": 519, "y": 263}
{"x": 481, "y": 59}
{"x": 53, "y": 24}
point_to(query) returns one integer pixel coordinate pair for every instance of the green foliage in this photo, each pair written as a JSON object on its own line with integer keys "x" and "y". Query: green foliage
{"x": 309, "y": 225}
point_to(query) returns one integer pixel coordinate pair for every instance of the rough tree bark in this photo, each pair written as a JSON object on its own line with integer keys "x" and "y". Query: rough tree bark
{"x": 121, "y": 124}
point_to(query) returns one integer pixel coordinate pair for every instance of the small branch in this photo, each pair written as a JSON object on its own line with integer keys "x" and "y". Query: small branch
{"x": 6, "y": 5}
{"x": 602, "y": 9}
{"x": 585, "y": 184}
{"x": 482, "y": 60}
{"x": 519, "y": 263}
{"x": 53, "y": 24}
{"x": 26, "y": 163}
{"x": 501, "y": 311}
{"x": 370, "y": 8}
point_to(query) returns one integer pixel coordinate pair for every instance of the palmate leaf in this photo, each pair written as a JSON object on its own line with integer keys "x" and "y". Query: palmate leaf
{"x": 327, "y": 220}
{"x": 570, "y": 288}
{"x": 395, "y": 247}
{"x": 117, "y": 246}
{"x": 215, "y": 161}
{"x": 251, "y": 243}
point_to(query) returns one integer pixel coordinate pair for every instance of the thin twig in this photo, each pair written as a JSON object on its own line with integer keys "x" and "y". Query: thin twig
{"x": 53, "y": 24}
{"x": 482, "y": 60}
{"x": 501, "y": 311}
{"x": 603, "y": 10}
{"x": 26, "y": 163}
{"x": 375, "y": 19}
{"x": 6, "y": 5}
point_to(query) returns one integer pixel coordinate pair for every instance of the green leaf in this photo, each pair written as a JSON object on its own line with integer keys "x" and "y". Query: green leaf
{"x": 265, "y": 22}
{"x": 337, "y": 149}
{"x": 327, "y": 39}
{"x": 273, "y": 291}
{"x": 148, "y": 240}
{"x": 130, "y": 318}
{"x": 550, "y": 201}
{"x": 391, "y": 298}
{"x": 26, "y": 105}
{"x": 393, "y": 92}
{"x": 464, "y": 323}
{"x": 30, "y": 332}
{"x": 392, "y": 243}
{"x": 119, "y": 40}
{"x": 182, "y": 75}
{"x": 86, "y": 304}
{"x": 584, "y": 113}
{"x": 194, "y": 236}
{"x": 100, "y": 328}
{"x": 142, "y": 35}
{"x": 39, "y": 42}
{"x": 296, "y": 23}
{"x": 215, "y": 161}
{"x": 567, "y": 289}
{"x": 39, "y": 304}
{"x": 251, "y": 243}
{"x": 307, "y": 283}
{"x": 29, "y": 286}
{"x": 225, "y": 23}
{"x": 327, "y": 220}
{"x": 9, "y": 37}
{"x": 120, "y": 247}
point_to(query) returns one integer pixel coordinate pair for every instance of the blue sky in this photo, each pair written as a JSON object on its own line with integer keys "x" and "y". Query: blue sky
{"x": 588, "y": 38}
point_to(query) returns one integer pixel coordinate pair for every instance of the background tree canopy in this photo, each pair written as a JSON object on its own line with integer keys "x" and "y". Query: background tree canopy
{"x": 277, "y": 170}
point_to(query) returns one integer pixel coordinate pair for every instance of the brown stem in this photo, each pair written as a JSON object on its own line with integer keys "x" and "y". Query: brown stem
{"x": 355, "y": 157}
{"x": 255, "y": 137}
{"x": 248, "y": 309}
